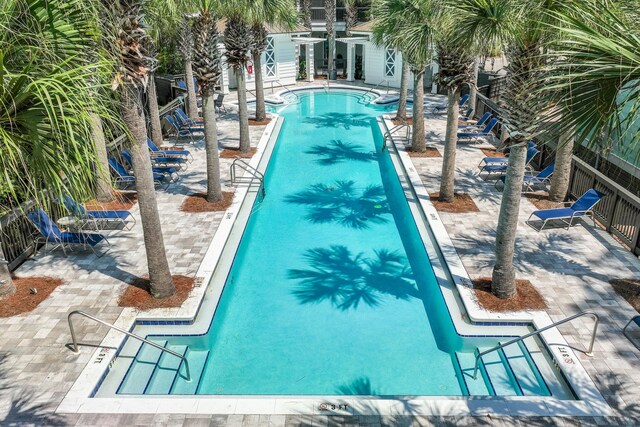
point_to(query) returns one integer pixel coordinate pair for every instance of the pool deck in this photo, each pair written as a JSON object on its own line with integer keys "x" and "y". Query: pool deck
{"x": 570, "y": 268}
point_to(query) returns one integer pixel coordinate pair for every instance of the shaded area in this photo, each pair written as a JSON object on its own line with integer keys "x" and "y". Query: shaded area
{"x": 343, "y": 204}
{"x": 346, "y": 280}
{"x": 30, "y": 292}
{"x": 340, "y": 120}
{"x": 338, "y": 151}
{"x": 541, "y": 201}
{"x": 527, "y": 297}
{"x": 197, "y": 203}
{"x": 137, "y": 294}
{"x": 462, "y": 203}
{"x": 361, "y": 386}
{"x": 629, "y": 289}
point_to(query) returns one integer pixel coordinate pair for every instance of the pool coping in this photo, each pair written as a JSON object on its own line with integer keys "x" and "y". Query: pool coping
{"x": 78, "y": 399}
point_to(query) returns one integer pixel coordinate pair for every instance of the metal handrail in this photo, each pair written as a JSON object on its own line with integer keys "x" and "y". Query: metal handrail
{"x": 255, "y": 174}
{"x": 286, "y": 89}
{"x": 537, "y": 332}
{"x": 376, "y": 87}
{"x": 151, "y": 343}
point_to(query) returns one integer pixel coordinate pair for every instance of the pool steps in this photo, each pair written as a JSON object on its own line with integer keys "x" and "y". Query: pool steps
{"x": 505, "y": 372}
{"x": 153, "y": 373}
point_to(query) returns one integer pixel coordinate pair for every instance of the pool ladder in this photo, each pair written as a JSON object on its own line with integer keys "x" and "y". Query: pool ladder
{"x": 255, "y": 175}
{"x": 138, "y": 337}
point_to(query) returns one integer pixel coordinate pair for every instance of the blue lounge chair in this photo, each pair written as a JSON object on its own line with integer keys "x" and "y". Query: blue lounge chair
{"x": 218, "y": 103}
{"x": 501, "y": 168}
{"x": 99, "y": 217}
{"x": 124, "y": 179}
{"x": 479, "y": 135}
{"x": 580, "y": 208}
{"x": 501, "y": 160}
{"x": 53, "y": 235}
{"x": 531, "y": 181}
{"x": 157, "y": 152}
{"x": 636, "y": 320}
{"x": 181, "y": 132}
{"x": 170, "y": 173}
{"x": 185, "y": 120}
{"x": 481, "y": 122}
{"x": 467, "y": 114}
{"x": 438, "y": 109}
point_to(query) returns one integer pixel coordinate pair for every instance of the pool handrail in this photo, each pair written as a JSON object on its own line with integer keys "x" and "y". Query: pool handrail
{"x": 132, "y": 335}
{"x": 255, "y": 174}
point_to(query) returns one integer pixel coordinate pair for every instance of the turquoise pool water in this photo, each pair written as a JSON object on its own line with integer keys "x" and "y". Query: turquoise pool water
{"x": 331, "y": 290}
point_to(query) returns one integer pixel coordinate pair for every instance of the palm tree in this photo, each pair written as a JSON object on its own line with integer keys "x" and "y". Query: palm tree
{"x": 186, "y": 51}
{"x": 305, "y": 12}
{"x": 350, "y": 15}
{"x": 259, "y": 45}
{"x": 330, "y": 21}
{"x": 456, "y": 67}
{"x": 206, "y": 63}
{"x": 46, "y": 103}
{"x": 132, "y": 78}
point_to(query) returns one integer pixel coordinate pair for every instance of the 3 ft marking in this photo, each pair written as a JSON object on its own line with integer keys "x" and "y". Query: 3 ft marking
{"x": 333, "y": 407}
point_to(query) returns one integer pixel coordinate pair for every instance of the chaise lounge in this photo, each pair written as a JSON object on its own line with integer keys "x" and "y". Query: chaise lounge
{"x": 578, "y": 209}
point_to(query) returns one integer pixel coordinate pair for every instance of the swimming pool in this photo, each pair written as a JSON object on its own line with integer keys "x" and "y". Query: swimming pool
{"x": 331, "y": 291}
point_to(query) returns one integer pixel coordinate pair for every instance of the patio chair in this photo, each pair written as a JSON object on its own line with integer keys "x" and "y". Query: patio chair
{"x": 500, "y": 160}
{"x": 51, "y": 234}
{"x": 531, "y": 181}
{"x": 479, "y": 135}
{"x": 580, "y": 208}
{"x": 218, "y": 103}
{"x": 157, "y": 152}
{"x": 482, "y": 121}
{"x": 467, "y": 115}
{"x": 636, "y": 320}
{"x": 438, "y": 109}
{"x": 169, "y": 172}
{"x": 185, "y": 120}
{"x": 124, "y": 179}
{"x": 182, "y": 132}
{"x": 99, "y": 217}
{"x": 501, "y": 168}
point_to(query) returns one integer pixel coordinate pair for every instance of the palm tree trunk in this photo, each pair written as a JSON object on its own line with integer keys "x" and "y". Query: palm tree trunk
{"x": 418, "y": 142}
{"x": 7, "y": 286}
{"x": 192, "y": 99}
{"x": 214, "y": 188}
{"x": 473, "y": 85}
{"x": 154, "y": 112}
{"x": 404, "y": 89}
{"x": 161, "y": 285}
{"x": 104, "y": 191}
{"x": 245, "y": 143}
{"x": 261, "y": 110}
{"x": 305, "y": 9}
{"x": 330, "y": 18}
{"x": 447, "y": 182}
{"x": 503, "y": 283}
{"x": 562, "y": 169}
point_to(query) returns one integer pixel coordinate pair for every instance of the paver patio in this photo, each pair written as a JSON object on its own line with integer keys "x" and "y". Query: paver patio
{"x": 570, "y": 268}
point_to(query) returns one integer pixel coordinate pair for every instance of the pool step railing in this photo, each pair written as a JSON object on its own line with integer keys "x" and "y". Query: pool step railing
{"x": 511, "y": 371}
{"x": 364, "y": 95}
{"x": 498, "y": 347}
{"x": 152, "y": 373}
{"x": 254, "y": 175}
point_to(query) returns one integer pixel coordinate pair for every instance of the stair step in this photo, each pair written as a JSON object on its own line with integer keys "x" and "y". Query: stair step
{"x": 197, "y": 362}
{"x": 141, "y": 369}
{"x": 500, "y": 375}
{"x": 526, "y": 372}
{"x": 478, "y": 386}
{"x": 166, "y": 370}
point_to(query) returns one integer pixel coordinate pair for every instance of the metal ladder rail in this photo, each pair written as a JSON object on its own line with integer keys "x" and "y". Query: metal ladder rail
{"x": 389, "y": 134}
{"x": 538, "y": 332}
{"x": 286, "y": 89}
{"x": 138, "y": 337}
{"x": 376, "y": 87}
{"x": 255, "y": 174}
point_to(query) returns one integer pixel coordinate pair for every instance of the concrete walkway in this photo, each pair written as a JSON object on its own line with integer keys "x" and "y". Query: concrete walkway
{"x": 570, "y": 268}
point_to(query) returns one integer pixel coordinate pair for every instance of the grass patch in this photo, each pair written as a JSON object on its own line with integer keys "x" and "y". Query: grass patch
{"x": 197, "y": 203}
{"x": 527, "y": 297}
{"x": 629, "y": 289}
{"x": 232, "y": 153}
{"x": 137, "y": 294}
{"x": 24, "y": 300}
{"x": 462, "y": 203}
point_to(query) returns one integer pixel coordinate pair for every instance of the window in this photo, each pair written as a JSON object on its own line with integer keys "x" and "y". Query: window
{"x": 270, "y": 58}
{"x": 390, "y": 63}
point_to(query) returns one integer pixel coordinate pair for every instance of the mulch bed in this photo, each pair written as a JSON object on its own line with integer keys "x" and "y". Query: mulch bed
{"x": 462, "y": 203}
{"x": 527, "y": 297}
{"x": 197, "y": 203}
{"x": 430, "y": 152}
{"x": 254, "y": 122}
{"x": 541, "y": 200}
{"x": 629, "y": 289}
{"x": 123, "y": 202}
{"x": 490, "y": 152}
{"x": 137, "y": 294}
{"x": 23, "y": 301}
{"x": 232, "y": 153}
{"x": 396, "y": 121}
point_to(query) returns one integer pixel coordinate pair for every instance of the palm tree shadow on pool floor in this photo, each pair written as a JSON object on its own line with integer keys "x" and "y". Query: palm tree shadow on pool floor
{"x": 338, "y": 151}
{"x": 341, "y": 120}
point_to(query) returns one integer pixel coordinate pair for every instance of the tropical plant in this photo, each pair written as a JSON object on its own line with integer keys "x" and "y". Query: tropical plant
{"x": 350, "y": 15}
{"x": 185, "y": 38}
{"x": 259, "y": 45}
{"x": 305, "y": 12}
{"x": 330, "y": 22}
{"x": 206, "y": 64}
{"x": 46, "y": 103}
{"x": 135, "y": 66}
